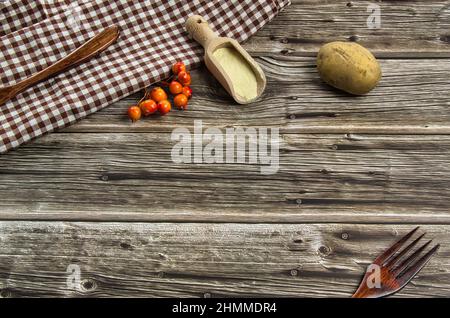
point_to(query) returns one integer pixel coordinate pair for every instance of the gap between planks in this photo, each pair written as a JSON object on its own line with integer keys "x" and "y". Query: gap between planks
{"x": 306, "y": 25}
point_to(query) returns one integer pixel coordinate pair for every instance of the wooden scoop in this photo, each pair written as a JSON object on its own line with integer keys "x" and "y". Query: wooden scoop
{"x": 84, "y": 53}
{"x": 199, "y": 29}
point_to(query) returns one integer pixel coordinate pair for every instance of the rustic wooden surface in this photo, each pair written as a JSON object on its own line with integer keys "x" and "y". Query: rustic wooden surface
{"x": 203, "y": 260}
{"x": 355, "y": 172}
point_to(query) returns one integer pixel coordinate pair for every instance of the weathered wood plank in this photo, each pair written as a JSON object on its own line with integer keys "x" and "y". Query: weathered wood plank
{"x": 322, "y": 178}
{"x": 198, "y": 260}
{"x": 413, "y": 98}
{"x": 408, "y": 28}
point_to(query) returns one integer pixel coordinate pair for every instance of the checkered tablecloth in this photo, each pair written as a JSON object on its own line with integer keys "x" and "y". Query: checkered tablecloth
{"x": 36, "y": 33}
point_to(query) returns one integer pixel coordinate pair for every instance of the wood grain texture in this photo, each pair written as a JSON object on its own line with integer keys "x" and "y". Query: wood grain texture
{"x": 322, "y": 178}
{"x": 412, "y": 98}
{"x": 204, "y": 260}
{"x": 408, "y": 28}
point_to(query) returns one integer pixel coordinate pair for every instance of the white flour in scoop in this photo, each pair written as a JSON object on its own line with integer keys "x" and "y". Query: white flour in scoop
{"x": 240, "y": 72}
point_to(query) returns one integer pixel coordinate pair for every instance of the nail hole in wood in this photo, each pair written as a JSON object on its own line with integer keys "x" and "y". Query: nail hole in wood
{"x": 162, "y": 256}
{"x": 324, "y": 250}
{"x": 445, "y": 38}
{"x": 88, "y": 285}
{"x": 126, "y": 246}
{"x": 5, "y": 293}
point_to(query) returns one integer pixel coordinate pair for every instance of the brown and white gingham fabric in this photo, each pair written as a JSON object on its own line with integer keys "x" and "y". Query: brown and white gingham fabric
{"x": 36, "y": 33}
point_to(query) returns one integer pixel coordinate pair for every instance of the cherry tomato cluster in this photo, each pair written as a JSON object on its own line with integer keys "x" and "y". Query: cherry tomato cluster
{"x": 157, "y": 100}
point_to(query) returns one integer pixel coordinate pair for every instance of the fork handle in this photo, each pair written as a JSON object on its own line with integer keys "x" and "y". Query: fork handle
{"x": 84, "y": 53}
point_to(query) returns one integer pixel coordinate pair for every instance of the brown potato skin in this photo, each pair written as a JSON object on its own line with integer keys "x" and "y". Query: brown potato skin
{"x": 349, "y": 67}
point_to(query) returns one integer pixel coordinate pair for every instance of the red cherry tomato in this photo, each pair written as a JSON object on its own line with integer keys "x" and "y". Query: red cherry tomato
{"x": 187, "y": 91}
{"x": 148, "y": 107}
{"x": 164, "y": 107}
{"x": 158, "y": 94}
{"x": 134, "y": 113}
{"x": 176, "y": 88}
{"x": 184, "y": 78}
{"x": 178, "y": 67}
{"x": 181, "y": 101}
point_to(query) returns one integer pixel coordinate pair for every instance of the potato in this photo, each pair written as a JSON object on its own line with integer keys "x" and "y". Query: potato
{"x": 349, "y": 67}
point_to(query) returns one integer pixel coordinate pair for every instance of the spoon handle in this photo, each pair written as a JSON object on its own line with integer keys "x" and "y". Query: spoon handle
{"x": 84, "y": 53}
{"x": 198, "y": 29}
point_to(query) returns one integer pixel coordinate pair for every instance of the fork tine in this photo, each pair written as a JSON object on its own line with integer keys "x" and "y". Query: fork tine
{"x": 411, "y": 259}
{"x": 394, "y": 248}
{"x": 409, "y": 274}
{"x": 397, "y": 257}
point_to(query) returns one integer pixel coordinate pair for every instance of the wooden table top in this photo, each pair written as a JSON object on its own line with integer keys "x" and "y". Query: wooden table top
{"x": 355, "y": 174}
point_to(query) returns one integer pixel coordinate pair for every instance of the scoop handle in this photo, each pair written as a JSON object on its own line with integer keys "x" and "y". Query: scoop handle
{"x": 198, "y": 29}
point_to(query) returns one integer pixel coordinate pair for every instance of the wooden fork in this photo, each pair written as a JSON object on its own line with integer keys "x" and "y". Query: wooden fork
{"x": 90, "y": 49}
{"x": 394, "y": 271}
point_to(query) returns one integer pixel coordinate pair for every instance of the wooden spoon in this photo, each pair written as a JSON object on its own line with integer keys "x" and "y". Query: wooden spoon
{"x": 198, "y": 28}
{"x": 84, "y": 53}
